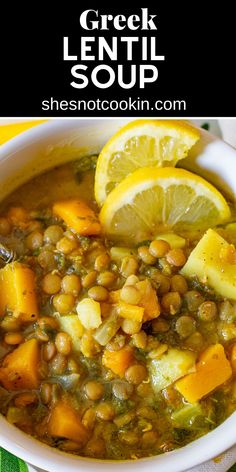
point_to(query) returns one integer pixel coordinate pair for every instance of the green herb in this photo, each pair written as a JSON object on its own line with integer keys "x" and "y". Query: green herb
{"x": 40, "y": 412}
{"x": 84, "y": 242}
{"x": 60, "y": 260}
{"x": 41, "y": 215}
{"x": 146, "y": 242}
{"x": 181, "y": 436}
{"x": 77, "y": 266}
{"x": 206, "y": 291}
{"x": 205, "y": 126}
{"x": 91, "y": 366}
{"x": 84, "y": 164}
{"x": 140, "y": 355}
{"x": 36, "y": 252}
{"x": 122, "y": 406}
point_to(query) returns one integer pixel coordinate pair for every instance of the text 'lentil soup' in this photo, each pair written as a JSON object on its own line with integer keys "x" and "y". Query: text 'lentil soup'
{"x": 118, "y": 332}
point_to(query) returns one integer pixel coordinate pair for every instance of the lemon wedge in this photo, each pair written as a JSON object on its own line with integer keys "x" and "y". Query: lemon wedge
{"x": 153, "y": 200}
{"x": 142, "y": 143}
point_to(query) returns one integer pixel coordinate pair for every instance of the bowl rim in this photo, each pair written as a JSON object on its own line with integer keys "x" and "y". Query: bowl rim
{"x": 41, "y": 455}
{"x": 47, "y": 458}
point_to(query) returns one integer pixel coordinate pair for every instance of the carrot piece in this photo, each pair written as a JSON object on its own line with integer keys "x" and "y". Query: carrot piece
{"x": 149, "y": 300}
{"x": 118, "y": 361}
{"x": 19, "y": 369}
{"x": 212, "y": 370}
{"x": 64, "y": 422}
{"x": 78, "y": 216}
{"x": 233, "y": 358}
{"x": 129, "y": 312}
{"x": 18, "y": 291}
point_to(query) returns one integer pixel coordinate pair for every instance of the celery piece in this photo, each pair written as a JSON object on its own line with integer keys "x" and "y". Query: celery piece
{"x": 118, "y": 253}
{"x": 107, "y": 330}
{"x": 174, "y": 240}
{"x": 69, "y": 381}
{"x": 185, "y": 417}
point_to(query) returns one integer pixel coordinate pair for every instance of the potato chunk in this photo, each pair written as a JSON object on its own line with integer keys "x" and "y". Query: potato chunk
{"x": 89, "y": 313}
{"x": 170, "y": 367}
{"x": 72, "y": 325}
{"x": 205, "y": 262}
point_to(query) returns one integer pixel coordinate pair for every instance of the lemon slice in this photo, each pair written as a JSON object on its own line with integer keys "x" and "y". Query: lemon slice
{"x": 153, "y": 200}
{"x": 142, "y": 143}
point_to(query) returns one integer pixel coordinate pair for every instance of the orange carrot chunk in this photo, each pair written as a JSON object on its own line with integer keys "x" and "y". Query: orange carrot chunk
{"x": 18, "y": 291}
{"x": 149, "y": 300}
{"x": 78, "y": 216}
{"x": 19, "y": 369}
{"x": 64, "y": 422}
{"x": 118, "y": 361}
{"x": 212, "y": 370}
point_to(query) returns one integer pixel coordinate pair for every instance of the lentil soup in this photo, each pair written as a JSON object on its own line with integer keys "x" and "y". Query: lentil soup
{"x": 107, "y": 350}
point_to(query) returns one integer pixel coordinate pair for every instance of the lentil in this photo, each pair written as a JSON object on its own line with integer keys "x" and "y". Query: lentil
{"x": 98, "y": 293}
{"x": 63, "y": 303}
{"x": 140, "y": 339}
{"x": 131, "y": 326}
{"x": 129, "y": 266}
{"x": 48, "y": 351}
{"x": 53, "y": 234}
{"x": 159, "y": 248}
{"x": 122, "y": 390}
{"x": 71, "y": 284}
{"x": 207, "y": 311}
{"x": 176, "y": 257}
{"x": 146, "y": 256}
{"x": 94, "y": 390}
{"x": 63, "y": 343}
{"x": 58, "y": 364}
{"x": 89, "y": 279}
{"x": 136, "y": 374}
{"x": 105, "y": 411}
{"x": 102, "y": 262}
{"x": 34, "y": 240}
{"x": 185, "y": 326}
{"x": 66, "y": 245}
{"x": 51, "y": 284}
{"x": 171, "y": 303}
{"x": 178, "y": 284}
{"x": 162, "y": 282}
{"x": 160, "y": 325}
{"x": 106, "y": 279}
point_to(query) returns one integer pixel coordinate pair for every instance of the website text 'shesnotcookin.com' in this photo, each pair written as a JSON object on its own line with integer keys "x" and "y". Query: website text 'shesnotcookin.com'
{"x": 129, "y": 104}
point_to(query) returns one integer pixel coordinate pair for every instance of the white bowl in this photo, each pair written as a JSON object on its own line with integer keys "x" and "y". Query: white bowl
{"x": 61, "y": 140}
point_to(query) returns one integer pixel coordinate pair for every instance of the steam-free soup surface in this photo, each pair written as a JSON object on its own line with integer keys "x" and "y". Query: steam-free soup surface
{"x": 96, "y": 337}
